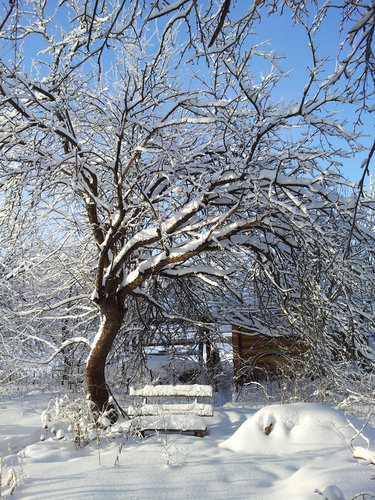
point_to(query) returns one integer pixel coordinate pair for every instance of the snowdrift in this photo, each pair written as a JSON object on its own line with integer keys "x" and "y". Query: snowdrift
{"x": 183, "y": 467}
{"x": 293, "y": 428}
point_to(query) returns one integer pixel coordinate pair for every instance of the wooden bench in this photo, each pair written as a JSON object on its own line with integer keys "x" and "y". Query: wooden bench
{"x": 165, "y": 414}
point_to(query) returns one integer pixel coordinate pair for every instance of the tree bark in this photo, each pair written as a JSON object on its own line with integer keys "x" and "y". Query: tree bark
{"x": 212, "y": 363}
{"x": 111, "y": 321}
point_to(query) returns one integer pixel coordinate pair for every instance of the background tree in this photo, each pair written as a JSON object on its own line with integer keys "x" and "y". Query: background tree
{"x": 44, "y": 303}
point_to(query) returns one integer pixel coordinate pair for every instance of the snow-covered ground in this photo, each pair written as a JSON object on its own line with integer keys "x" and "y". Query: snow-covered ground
{"x": 279, "y": 452}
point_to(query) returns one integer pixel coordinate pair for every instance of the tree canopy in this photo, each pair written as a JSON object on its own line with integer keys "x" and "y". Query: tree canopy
{"x": 142, "y": 139}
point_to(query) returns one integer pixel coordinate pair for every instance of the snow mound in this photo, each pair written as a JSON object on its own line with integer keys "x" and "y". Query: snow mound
{"x": 290, "y": 428}
{"x": 332, "y": 492}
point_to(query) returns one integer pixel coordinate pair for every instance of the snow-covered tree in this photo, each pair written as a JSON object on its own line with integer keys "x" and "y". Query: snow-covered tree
{"x": 146, "y": 128}
{"x": 44, "y": 292}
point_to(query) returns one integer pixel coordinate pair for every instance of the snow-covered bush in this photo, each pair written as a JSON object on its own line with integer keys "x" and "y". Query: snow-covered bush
{"x": 10, "y": 477}
{"x": 73, "y": 419}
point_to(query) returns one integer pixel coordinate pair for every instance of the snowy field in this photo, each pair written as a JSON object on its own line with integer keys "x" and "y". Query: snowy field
{"x": 308, "y": 448}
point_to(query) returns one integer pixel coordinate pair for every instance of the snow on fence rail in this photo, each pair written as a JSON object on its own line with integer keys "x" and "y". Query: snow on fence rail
{"x": 195, "y": 390}
{"x": 171, "y": 417}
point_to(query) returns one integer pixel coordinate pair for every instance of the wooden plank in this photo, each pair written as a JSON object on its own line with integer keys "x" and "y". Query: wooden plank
{"x": 195, "y": 390}
{"x": 171, "y": 423}
{"x": 200, "y": 409}
{"x": 176, "y": 422}
{"x": 171, "y": 417}
{"x": 198, "y": 433}
{"x": 265, "y": 352}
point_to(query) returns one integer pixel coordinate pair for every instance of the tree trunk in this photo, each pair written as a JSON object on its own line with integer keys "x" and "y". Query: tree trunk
{"x": 111, "y": 321}
{"x": 212, "y": 363}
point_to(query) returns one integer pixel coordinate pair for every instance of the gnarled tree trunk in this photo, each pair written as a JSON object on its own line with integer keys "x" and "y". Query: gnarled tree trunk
{"x": 112, "y": 316}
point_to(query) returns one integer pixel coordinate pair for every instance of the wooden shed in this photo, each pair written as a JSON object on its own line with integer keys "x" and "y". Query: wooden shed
{"x": 259, "y": 356}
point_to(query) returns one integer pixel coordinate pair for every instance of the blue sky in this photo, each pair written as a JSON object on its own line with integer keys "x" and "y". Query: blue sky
{"x": 291, "y": 40}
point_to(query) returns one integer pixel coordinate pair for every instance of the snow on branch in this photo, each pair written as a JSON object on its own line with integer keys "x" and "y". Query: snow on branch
{"x": 151, "y": 235}
{"x": 166, "y": 10}
{"x": 360, "y": 453}
{"x": 74, "y": 340}
{"x": 54, "y": 305}
{"x": 197, "y": 270}
{"x": 187, "y": 250}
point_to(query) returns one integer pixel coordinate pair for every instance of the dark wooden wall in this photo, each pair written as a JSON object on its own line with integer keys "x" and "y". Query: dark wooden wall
{"x": 257, "y": 356}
